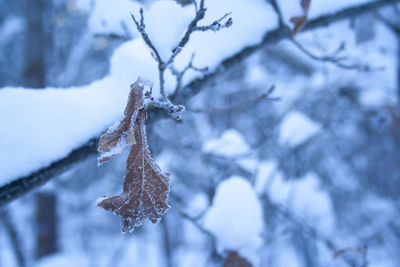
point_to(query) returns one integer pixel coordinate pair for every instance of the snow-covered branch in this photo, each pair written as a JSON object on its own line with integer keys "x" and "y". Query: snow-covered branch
{"x": 27, "y": 183}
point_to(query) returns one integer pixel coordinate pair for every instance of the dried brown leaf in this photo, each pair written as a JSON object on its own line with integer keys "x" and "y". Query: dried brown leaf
{"x": 235, "y": 260}
{"x": 298, "y": 21}
{"x": 121, "y": 134}
{"x": 146, "y": 188}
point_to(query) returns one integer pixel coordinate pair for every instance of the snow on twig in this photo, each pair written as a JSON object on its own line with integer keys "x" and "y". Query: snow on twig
{"x": 173, "y": 110}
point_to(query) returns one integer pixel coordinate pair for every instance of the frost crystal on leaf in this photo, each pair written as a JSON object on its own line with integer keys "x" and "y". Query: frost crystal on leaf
{"x": 121, "y": 134}
{"x": 146, "y": 188}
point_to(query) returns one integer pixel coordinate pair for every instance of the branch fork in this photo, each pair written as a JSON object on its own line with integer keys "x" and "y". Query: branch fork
{"x": 173, "y": 110}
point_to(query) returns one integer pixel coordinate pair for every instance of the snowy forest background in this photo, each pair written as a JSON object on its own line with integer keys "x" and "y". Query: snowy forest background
{"x": 287, "y": 153}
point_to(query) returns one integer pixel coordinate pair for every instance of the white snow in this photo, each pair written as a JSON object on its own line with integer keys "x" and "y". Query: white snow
{"x": 230, "y": 144}
{"x": 210, "y": 47}
{"x": 296, "y": 128}
{"x": 166, "y": 22}
{"x": 41, "y": 126}
{"x": 235, "y": 217}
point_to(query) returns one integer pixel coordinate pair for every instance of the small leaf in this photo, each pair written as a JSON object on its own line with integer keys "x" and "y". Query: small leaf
{"x": 121, "y": 134}
{"x": 235, "y": 260}
{"x": 146, "y": 188}
{"x": 298, "y": 21}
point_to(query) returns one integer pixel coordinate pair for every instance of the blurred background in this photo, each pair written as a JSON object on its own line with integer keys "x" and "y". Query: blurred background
{"x": 319, "y": 155}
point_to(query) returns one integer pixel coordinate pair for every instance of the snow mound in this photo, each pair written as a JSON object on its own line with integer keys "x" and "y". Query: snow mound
{"x": 235, "y": 218}
{"x": 230, "y": 144}
{"x": 296, "y": 129}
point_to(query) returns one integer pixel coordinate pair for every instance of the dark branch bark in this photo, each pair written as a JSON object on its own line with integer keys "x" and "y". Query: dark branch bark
{"x": 25, "y": 184}
{"x": 20, "y": 186}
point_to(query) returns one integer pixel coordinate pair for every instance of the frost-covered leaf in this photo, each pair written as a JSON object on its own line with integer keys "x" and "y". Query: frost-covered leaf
{"x": 145, "y": 190}
{"x": 298, "y": 21}
{"x": 121, "y": 135}
{"x": 235, "y": 260}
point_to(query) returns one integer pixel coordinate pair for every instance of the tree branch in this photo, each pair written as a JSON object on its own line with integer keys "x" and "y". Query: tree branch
{"x": 21, "y": 186}
{"x": 279, "y": 34}
{"x": 335, "y": 59}
{"x": 175, "y": 110}
{"x": 27, "y": 183}
{"x": 240, "y": 104}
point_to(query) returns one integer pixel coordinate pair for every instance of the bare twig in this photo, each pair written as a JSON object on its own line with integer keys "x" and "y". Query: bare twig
{"x": 277, "y": 10}
{"x": 216, "y": 25}
{"x": 192, "y": 27}
{"x": 173, "y": 110}
{"x": 179, "y": 75}
{"x": 240, "y": 104}
{"x": 141, "y": 28}
{"x": 194, "y": 221}
{"x": 334, "y": 59}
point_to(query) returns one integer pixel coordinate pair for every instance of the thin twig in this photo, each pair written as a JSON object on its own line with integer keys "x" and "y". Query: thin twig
{"x": 216, "y": 25}
{"x": 179, "y": 74}
{"x": 173, "y": 110}
{"x": 334, "y": 59}
{"x": 193, "y": 221}
{"x": 239, "y": 104}
{"x": 278, "y": 11}
{"x": 141, "y": 28}
{"x": 192, "y": 27}
{"x": 337, "y": 61}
